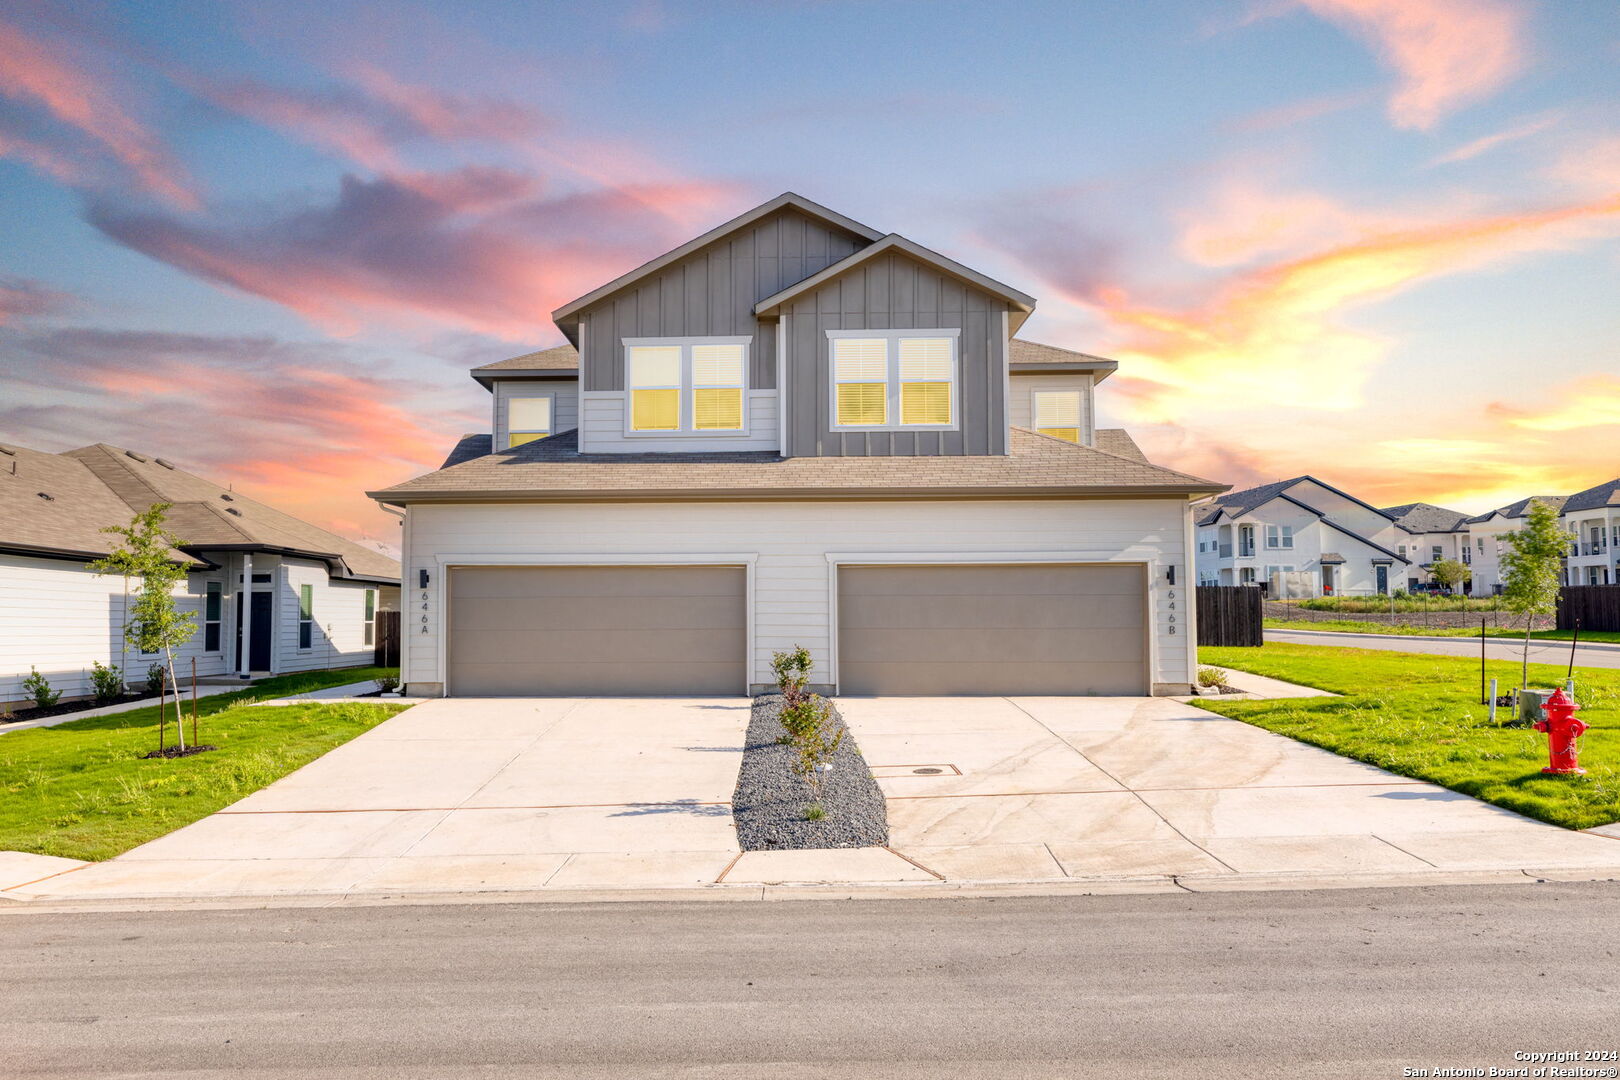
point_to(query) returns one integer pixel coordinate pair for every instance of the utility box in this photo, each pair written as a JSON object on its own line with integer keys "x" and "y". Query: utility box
{"x": 1531, "y": 703}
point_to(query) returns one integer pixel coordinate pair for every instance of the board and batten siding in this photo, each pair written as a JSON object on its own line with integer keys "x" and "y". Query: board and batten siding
{"x": 896, "y": 292}
{"x": 791, "y": 546}
{"x": 602, "y": 429}
{"x": 59, "y": 617}
{"x": 339, "y": 607}
{"x": 564, "y": 406}
{"x": 712, "y": 293}
{"x": 1021, "y": 401}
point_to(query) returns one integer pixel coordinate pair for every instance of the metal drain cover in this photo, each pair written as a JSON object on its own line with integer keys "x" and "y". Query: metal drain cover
{"x": 930, "y": 771}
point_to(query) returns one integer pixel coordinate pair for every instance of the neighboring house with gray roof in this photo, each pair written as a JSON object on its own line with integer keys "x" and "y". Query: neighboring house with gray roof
{"x": 1487, "y": 534}
{"x": 1592, "y": 518}
{"x": 1342, "y": 545}
{"x": 312, "y": 596}
{"x": 795, "y": 429}
{"x": 1429, "y": 533}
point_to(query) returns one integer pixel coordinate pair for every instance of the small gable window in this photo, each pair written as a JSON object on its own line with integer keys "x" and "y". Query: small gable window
{"x": 688, "y": 385}
{"x": 894, "y": 379}
{"x": 528, "y": 419}
{"x": 1057, "y": 413}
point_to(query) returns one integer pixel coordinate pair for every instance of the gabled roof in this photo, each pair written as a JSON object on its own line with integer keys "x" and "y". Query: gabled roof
{"x": 1357, "y": 537}
{"x": 1239, "y": 503}
{"x": 1594, "y": 498}
{"x": 1033, "y": 358}
{"x": 554, "y": 470}
{"x": 1118, "y": 441}
{"x": 98, "y": 486}
{"x": 564, "y": 316}
{"x": 1521, "y": 508}
{"x": 1022, "y": 303}
{"x": 1427, "y": 518}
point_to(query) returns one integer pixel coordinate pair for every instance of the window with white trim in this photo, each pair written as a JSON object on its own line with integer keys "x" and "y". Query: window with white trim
{"x": 1279, "y": 536}
{"x": 528, "y": 418}
{"x": 688, "y": 385}
{"x": 894, "y": 380}
{"x": 370, "y": 633}
{"x": 1057, "y": 413}
{"x": 306, "y": 616}
{"x": 213, "y": 603}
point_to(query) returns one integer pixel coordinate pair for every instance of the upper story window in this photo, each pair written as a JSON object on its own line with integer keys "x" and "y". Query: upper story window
{"x": 1279, "y": 536}
{"x": 1057, "y": 413}
{"x": 894, "y": 379}
{"x": 686, "y": 385}
{"x": 528, "y": 419}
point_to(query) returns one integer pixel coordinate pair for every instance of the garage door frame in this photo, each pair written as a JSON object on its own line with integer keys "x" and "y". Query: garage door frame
{"x": 1150, "y": 577}
{"x": 439, "y": 612}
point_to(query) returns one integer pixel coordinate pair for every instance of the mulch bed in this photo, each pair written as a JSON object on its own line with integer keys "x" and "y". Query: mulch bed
{"x": 175, "y": 751}
{"x": 770, "y": 800}
{"x": 66, "y": 707}
{"x": 1223, "y": 689}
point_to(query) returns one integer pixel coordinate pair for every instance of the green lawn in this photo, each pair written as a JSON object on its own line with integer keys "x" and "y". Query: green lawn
{"x": 82, "y": 791}
{"x": 1420, "y": 716}
{"x": 1361, "y": 626}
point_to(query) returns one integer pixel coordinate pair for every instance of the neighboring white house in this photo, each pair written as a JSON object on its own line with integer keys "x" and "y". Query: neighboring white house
{"x": 1303, "y": 525}
{"x": 1487, "y": 532}
{"x": 314, "y": 595}
{"x": 1429, "y": 533}
{"x": 1592, "y": 518}
{"x": 798, "y": 430}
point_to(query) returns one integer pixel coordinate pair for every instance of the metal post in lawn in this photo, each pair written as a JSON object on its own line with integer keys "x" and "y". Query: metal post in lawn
{"x": 1569, "y": 672}
{"x": 1481, "y": 662}
{"x": 163, "y": 698}
{"x": 1493, "y": 701}
{"x": 193, "y": 701}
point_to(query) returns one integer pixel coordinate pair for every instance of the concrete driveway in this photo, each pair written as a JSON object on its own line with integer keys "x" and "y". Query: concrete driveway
{"x": 463, "y": 794}
{"x": 1023, "y": 789}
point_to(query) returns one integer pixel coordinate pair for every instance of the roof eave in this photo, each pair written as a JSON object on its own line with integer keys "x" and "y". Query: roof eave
{"x": 487, "y": 378}
{"x": 403, "y": 498}
{"x": 1099, "y": 370}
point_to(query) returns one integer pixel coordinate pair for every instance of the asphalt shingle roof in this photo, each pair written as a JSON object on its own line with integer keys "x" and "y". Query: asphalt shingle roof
{"x": 1594, "y": 498}
{"x": 97, "y": 486}
{"x": 554, "y": 468}
{"x": 1421, "y": 517}
{"x": 1522, "y": 507}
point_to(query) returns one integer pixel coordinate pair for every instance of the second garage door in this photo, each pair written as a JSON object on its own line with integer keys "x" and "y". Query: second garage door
{"x": 517, "y": 631}
{"x": 1013, "y": 629}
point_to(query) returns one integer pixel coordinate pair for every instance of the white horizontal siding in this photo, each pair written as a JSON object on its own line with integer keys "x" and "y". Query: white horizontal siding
{"x": 59, "y": 617}
{"x": 601, "y": 429}
{"x": 337, "y": 638}
{"x": 791, "y": 543}
{"x": 1021, "y": 401}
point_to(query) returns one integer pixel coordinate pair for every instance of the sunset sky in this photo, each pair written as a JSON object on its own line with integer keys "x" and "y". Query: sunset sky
{"x": 1373, "y": 240}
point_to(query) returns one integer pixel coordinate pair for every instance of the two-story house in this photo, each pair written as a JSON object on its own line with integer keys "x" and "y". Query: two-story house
{"x": 1592, "y": 518}
{"x": 1429, "y": 533}
{"x": 1300, "y": 525}
{"x": 1487, "y": 532}
{"x": 795, "y": 429}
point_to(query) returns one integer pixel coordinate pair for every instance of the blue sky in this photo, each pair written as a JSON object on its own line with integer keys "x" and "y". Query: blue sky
{"x": 1375, "y": 240}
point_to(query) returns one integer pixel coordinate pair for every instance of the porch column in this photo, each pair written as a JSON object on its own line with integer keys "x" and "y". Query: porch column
{"x": 245, "y": 613}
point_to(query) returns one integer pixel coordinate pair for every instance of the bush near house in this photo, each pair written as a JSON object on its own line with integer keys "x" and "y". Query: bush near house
{"x": 1421, "y": 716}
{"x": 82, "y": 791}
{"x": 38, "y": 687}
{"x": 106, "y": 683}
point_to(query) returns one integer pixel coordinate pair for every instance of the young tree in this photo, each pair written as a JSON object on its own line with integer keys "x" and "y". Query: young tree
{"x": 1449, "y": 573}
{"x": 152, "y": 623}
{"x": 1530, "y": 571}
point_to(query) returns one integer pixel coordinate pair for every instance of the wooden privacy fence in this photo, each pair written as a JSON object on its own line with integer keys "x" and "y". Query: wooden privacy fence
{"x": 1229, "y": 615}
{"x": 387, "y": 643}
{"x": 1591, "y": 607}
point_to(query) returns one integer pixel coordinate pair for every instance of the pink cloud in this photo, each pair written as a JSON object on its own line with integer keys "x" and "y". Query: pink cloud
{"x": 87, "y": 119}
{"x": 20, "y": 298}
{"x": 1446, "y": 53}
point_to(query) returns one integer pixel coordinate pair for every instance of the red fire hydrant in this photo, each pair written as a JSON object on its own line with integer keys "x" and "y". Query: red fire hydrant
{"x": 1562, "y": 730}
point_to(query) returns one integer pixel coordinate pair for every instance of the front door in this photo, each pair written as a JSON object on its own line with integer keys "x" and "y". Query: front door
{"x": 1383, "y": 580}
{"x": 259, "y": 640}
{"x": 1327, "y": 581}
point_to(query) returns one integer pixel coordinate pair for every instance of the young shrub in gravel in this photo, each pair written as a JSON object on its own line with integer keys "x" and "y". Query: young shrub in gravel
{"x": 814, "y": 740}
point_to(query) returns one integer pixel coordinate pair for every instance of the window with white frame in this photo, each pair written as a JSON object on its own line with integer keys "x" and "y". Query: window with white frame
{"x": 370, "y": 637}
{"x": 894, "y": 379}
{"x": 1246, "y": 575}
{"x": 213, "y": 603}
{"x": 1057, "y": 413}
{"x": 528, "y": 418}
{"x": 1279, "y": 536}
{"x": 687, "y": 385}
{"x": 1436, "y": 553}
{"x": 306, "y": 616}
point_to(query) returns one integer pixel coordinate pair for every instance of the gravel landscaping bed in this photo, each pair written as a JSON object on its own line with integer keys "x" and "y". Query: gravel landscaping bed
{"x": 769, "y": 803}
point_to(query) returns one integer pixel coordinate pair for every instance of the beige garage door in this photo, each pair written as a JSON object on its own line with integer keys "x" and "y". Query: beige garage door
{"x": 596, "y": 630}
{"x": 1048, "y": 629}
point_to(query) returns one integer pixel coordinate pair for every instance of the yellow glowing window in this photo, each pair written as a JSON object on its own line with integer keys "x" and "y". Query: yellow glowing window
{"x": 527, "y": 419}
{"x": 926, "y": 370}
{"x": 861, "y": 376}
{"x": 655, "y": 388}
{"x": 717, "y": 387}
{"x": 1057, "y": 413}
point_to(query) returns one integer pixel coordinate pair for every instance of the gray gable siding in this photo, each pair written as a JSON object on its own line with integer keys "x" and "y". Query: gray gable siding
{"x": 712, "y": 292}
{"x": 896, "y": 292}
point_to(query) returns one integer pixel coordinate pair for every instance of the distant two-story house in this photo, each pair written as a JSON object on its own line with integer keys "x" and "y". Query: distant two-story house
{"x": 1429, "y": 533}
{"x": 1592, "y": 518}
{"x": 1302, "y": 525}
{"x": 1487, "y": 533}
{"x": 267, "y": 592}
{"x": 797, "y": 430}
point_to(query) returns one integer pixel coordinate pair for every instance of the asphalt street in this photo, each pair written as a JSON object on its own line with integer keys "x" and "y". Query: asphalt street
{"x": 1541, "y": 652}
{"x": 1345, "y": 983}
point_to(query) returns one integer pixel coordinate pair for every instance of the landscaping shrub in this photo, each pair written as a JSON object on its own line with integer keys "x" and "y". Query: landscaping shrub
{"x": 156, "y": 675}
{"x": 1400, "y": 601}
{"x": 1208, "y": 676}
{"x": 387, "y": 683}
{"x": 38, "y": 687}
{"x": 806, "y": 720}
{"x": 106, "y": 682}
